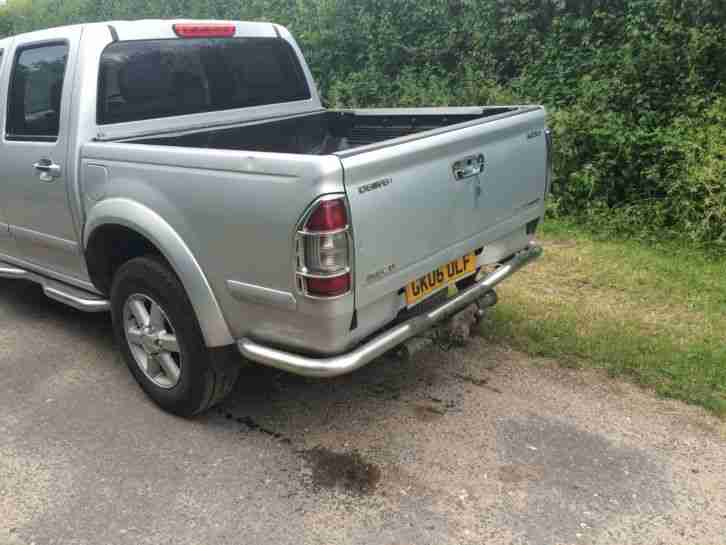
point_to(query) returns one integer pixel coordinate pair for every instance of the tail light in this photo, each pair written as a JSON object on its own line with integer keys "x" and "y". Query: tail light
{"x": 210, "y": 30}
{"x": 323, "y": 249}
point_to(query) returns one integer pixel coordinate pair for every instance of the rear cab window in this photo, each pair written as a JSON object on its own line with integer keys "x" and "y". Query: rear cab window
{"x": 34, "y": 97}
{"x": 148, "y": 79}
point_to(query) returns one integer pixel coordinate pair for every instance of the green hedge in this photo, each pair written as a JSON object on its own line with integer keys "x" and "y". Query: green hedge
{"x": 635, "y": 88}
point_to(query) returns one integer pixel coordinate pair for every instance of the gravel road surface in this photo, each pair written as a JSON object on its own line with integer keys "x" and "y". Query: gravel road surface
{"x": 469, "y": 445}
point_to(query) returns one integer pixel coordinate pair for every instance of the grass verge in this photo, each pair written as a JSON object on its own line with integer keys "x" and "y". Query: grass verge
{"x": 654, "y": 314}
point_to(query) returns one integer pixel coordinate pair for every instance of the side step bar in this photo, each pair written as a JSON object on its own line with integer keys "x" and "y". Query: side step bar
{"x": 350, "y": 361}
{"x": 79, "y": 299}
{"x": 74, "y": 297}
{"x": 12, "y": 272}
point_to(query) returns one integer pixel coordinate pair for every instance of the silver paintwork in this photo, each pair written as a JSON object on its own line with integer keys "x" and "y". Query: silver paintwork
{"x": 44, "y": 240}
{"x": 147, "y": 222}
{"x": 60, "y": 291}
{"x": 454, "y": 111}
{"x": 262, "y": 295}
{"x": 349, "y": 362}
{"x": 428, "y": 217}
{"x": 6, "y": 242}
{"x": 227, "y": 221}
{"x": 38, "y": 210}
{"x": 43, "y": 272}
{"x": 152, "y": 340}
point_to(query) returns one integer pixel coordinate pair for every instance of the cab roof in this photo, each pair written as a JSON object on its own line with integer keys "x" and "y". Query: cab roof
{"x": 149, "y": 29}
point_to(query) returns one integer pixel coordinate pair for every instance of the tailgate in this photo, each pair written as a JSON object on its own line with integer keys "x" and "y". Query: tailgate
{"x": 415, "y": 201}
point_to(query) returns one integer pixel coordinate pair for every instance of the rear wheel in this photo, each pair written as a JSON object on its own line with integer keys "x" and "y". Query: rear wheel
{"x": 160, "y": 339}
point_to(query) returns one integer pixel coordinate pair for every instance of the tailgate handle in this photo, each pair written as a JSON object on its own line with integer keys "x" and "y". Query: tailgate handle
{"x": 469, "y": 166}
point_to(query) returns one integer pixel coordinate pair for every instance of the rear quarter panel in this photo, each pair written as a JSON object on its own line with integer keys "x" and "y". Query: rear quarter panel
{"x": 237, "y": 212}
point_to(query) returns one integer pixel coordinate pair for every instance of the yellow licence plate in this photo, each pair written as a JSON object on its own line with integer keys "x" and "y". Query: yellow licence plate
{"x": 420, "y": 289}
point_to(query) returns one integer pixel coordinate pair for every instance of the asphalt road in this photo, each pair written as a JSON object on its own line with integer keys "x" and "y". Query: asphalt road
{"x": 469, "y": 445}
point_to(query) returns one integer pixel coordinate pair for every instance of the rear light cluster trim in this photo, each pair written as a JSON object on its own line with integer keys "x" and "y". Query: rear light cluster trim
{"x": 324, "y": 233}
{"x": 303, "y": 231}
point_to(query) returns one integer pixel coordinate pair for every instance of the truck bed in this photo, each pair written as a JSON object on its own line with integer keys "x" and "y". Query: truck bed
{"x": 327, "y": 132}
{"x": 425, "y": 186}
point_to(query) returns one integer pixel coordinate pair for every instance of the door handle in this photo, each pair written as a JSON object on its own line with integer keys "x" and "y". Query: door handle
{"x": 47, "y": 170}
{"x": 468, "y": 167}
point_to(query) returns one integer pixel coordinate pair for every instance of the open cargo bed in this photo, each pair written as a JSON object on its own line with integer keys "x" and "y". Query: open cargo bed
{"x": 425, "y": 186}
{"x": 326, "y": 132}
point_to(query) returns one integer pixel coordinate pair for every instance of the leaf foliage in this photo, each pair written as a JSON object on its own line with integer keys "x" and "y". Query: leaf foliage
{"x": 635, "y": 88}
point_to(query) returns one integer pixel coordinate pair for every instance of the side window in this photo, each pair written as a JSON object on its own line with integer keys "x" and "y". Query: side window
{"x": 35, "y": 92}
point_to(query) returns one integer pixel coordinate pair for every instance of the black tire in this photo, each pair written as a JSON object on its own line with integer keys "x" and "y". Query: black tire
{"x": 206, "y": 375}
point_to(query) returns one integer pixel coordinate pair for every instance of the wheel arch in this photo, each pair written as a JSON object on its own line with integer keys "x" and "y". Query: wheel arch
{"x": 149, "y": 232}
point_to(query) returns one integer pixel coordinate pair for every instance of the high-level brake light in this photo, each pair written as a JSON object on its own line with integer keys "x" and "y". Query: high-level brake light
{"x": 196, "y": 30}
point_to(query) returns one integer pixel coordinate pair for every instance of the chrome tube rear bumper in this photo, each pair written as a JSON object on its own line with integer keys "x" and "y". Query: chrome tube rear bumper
{"x": 365, "y": 353}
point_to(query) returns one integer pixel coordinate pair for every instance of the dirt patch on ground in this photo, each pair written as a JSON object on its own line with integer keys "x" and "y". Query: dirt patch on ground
{"x": 428, "y": 412}
{"x": 517, "y": 473}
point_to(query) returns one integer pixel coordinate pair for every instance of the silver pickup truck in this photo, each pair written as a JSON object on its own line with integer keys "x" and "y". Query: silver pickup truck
{"x": 185, "y": 176}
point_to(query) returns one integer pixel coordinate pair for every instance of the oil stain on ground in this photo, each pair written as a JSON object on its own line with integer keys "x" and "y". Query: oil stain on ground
{"x": 346, "y": 472}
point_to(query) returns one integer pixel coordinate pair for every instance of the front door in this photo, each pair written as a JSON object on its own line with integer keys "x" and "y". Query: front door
{"x": 34, "y": 150}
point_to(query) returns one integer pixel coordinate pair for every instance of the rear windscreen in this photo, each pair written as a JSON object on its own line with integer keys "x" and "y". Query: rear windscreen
{"x": 161, "y": 78}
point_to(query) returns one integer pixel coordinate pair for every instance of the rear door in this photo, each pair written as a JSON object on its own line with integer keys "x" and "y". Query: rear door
{"x": 34, "y": 148}
{"x": 414, "y": 203}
